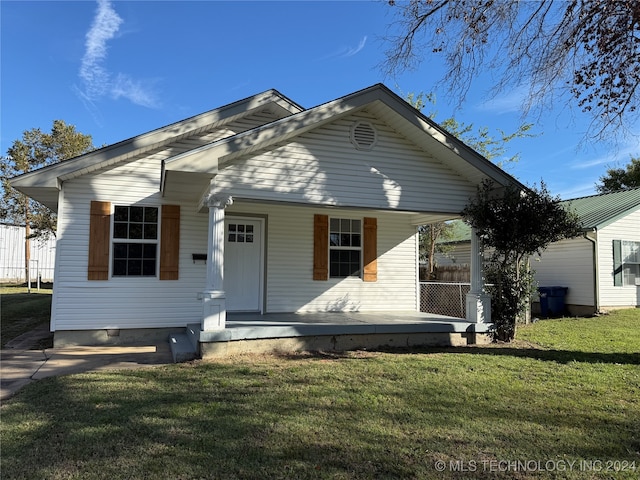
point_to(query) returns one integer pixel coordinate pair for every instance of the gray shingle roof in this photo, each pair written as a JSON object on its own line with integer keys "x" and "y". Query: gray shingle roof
{"x": 598, "y": 211}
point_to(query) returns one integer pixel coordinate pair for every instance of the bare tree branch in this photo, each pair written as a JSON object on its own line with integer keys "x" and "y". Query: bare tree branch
{"x": 585, "y": 53}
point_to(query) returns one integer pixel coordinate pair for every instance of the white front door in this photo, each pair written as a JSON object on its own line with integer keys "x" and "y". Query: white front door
{"x": 243, "y": 264}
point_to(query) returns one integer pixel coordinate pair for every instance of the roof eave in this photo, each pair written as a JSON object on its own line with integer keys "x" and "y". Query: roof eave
{"x": 52, "y": 175}
{"x": 450, "y": 142}
{"x": 269, "y": 134}
{"x": 225, "y": 150}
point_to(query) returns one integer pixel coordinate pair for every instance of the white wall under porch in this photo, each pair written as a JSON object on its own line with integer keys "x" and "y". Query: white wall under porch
{"x": 289, "y": 280}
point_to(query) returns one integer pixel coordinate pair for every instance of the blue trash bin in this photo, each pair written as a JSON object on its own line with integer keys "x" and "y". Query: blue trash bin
{"x": 552, "y": 301}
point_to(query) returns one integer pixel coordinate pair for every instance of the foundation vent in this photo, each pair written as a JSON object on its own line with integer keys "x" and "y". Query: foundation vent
{"x": 363, "y": 136}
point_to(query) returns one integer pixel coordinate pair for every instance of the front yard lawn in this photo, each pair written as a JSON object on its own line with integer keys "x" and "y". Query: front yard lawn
{"x": 563, "y": 401}
{"x": 22, "y": 312}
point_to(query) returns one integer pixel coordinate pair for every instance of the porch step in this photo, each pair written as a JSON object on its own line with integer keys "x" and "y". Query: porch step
{"x": 182, "y": 349}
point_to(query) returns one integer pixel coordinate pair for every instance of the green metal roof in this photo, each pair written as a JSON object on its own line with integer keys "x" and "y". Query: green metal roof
{"x": 461, "y": 232}
{"x": 595, "y": 211}
{"x": 598, "y": 211}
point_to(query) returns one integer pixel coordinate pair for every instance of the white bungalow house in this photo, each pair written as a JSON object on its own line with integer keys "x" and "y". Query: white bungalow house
{"x": 259, "y": 206}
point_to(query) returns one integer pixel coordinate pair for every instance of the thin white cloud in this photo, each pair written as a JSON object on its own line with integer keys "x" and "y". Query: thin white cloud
{"x": 509, "y": 103}
{"x": 98, "y": 82}
{"x": 125, "y": 86}
{"x": 618, "y": 156}
{"x": 105, "y": 26}
{"x": 351, "y": 51}
{"x": 347, "y": 51}
{"x": 577, "y": 191}
{"x": 584, "y": 164}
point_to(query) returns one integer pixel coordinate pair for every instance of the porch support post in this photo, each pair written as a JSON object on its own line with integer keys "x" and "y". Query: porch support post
{"x": 478, "y": 302}
{"x": 214, "y": 312}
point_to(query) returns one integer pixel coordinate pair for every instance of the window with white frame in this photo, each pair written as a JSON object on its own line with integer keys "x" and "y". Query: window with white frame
{"x": 135, "y": 241}
{"x": 630, "y": 263}
{"x": 345, "y": 247}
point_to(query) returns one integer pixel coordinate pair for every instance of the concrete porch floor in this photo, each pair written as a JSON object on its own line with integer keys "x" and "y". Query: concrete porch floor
{"x": 254, "y": 332}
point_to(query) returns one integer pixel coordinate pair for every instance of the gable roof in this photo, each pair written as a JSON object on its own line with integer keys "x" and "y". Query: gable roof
{"x": 194, "y": 156}
{"x": 598, "y": 211}
{"x": 43, "y": 184}
{"x": 377, "y": 100}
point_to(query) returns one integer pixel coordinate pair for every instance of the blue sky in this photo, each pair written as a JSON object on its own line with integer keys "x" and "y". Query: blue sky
{"x": 119, "y": 69}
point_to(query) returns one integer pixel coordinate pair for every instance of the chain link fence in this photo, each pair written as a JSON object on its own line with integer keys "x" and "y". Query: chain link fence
{"x": 444, "y": 298}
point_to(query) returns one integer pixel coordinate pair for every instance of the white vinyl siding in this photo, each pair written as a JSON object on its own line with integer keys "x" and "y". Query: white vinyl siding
{"x": 568, "y": 263}
{"x": 123, "y": 302}
{"x": 323, "y": 167}
{"x": 151, "y": 303}
{"x": 627, "y": 228}
{"x": 289, "y": 277}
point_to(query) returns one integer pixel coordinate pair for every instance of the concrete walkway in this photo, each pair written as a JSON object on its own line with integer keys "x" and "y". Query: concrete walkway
{"x": 20, "y": 367}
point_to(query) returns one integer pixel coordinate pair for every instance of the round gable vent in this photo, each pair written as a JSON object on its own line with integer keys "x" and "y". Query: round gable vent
{"x": 363, "y": 135}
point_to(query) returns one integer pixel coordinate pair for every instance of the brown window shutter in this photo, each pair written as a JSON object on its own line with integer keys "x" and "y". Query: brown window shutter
{"x": 170, "y": 242}
{"x": 99, "y": 240}
{"x": 320, "y": 247}
{"x": 370, "y": 250}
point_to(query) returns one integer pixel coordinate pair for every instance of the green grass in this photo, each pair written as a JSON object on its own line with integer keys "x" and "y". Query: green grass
{"x": 608, "y": 334}
{"x": 358, "y": 415}
{"x": 21, "y": 312}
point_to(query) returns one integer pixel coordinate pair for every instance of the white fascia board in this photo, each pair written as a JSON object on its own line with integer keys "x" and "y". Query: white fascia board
{"x": 419, "y": 219}
{"x": 447, "y": 141}
{"x": 46, "y": 196}
{"x": 49, "y": 177}
{"x": 208, "y": 157}
{"x": 199, "y": 160}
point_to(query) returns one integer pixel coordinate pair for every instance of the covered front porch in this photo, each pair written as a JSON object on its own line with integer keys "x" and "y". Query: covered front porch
{"x": 326, "y": 331}
{"x": 214, "y": 297}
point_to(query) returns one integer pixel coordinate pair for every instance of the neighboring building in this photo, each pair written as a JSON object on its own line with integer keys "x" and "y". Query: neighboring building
{"x": 601, "y": 268}
{"x": 458, "y": 247}
{"x": 298, "y": 210}
{"x": 12, "y": 258}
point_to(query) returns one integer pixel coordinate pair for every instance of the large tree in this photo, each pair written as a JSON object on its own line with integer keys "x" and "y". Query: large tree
{"x": 514, "y": 225}
{"x": 621, "y": 178}
{"x": 586, "y": 49}
{"x": 432, "y": 241}
{"x": 34, "y": 150}
{"x": 491, "y": 147}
